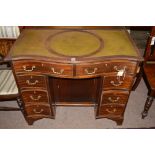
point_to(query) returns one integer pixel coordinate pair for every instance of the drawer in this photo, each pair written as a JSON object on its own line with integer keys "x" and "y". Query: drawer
{"x": 113, "y": 110}
{"x": 34, "y": 96}
{"x": 59, "y": 69}
{"x": 118, "y": 82}
{"x": 90, "y": 69}
{"x": 115, "y": 66}
{"x": 114, "y": 97}
{"x": 27, "y": 66}
{"x": 38, "y": 110}
{"x": 31, "y": 81}
{"x": 54, "y": 69}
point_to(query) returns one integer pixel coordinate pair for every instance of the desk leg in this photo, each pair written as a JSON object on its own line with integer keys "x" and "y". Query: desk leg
{"x": 119, "y": 122}
{"x": 30, "y": 121}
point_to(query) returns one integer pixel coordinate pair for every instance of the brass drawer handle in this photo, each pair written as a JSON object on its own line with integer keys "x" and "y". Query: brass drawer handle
{"x": 111, "y": 111}
{"x": 118, "y": 70}
{"x": 90, "y": 73}
{"x": 38, "y": 112}
{"x": 32, "y": 83}
{"x": 116, "y": 85}
{"x": 53, "y": 70}
{"x": 113, "y": 100}
{"x": 35, "y": 99}
{"x": 29, "y": 70}
{"x": 119, "y": 81}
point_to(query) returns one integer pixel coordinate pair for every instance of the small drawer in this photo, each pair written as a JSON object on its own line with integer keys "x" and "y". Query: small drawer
{"x": 114, "y": 97}
{"x": 57, "y": 69}
{"x": 27, "y": 66}
{"x": 34, "y": 96}
{"x": 113, "y": 110}
{"x": 118, "y": 82}
{"x": 31, "y": 81}
{"x": 90, "y": 69}
{"x": 38, "y": 110}
{"x": 128, "y": 67}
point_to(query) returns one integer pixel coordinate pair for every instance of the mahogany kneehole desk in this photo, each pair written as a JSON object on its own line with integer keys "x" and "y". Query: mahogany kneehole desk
{"x": 74, "y": 67}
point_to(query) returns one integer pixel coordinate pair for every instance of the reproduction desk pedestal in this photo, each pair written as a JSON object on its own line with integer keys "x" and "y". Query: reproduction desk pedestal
{"x": 67, "y": 67}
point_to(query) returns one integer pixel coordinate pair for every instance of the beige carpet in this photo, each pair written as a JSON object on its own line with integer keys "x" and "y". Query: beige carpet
{"x": 83, "y": 117}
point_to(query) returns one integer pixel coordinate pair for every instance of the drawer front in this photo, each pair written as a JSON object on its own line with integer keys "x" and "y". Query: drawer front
{"x": 90, "y": 69}
{"x": 31, "y": 81}
{"x": 60, "y": 70}
{"x": 27, "y": 66}
{"x": 113, "y": 110}
{"x": 106, "y": 67}
{"x": 54, "y": 69}
{"x": 38, "y": 110}
{"x": 114, "y": 97}
{"x": 118, "y": 82}
{"x": 128, "y": 67}
{"x": 35, "y": 96}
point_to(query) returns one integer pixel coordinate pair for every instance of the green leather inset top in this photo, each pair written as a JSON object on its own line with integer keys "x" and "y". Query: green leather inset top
{"x": 73, "y": 43}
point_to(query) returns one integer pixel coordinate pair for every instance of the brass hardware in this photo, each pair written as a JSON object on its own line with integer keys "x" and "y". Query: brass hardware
{"x": 29, "y": 70}
{"x": 90, "y": 73}
{"x": 38, "y": 112}
{"x": 116, "y": 84}
{"x": 35, "y": 99}
{"x": 113, "y": 100}
{"x": 32, "y": 83}
{"x": 53, "y": 70}
{"x": 120, "y": 73}
{"x": 119, "y": 82}
{"x": 118, "y": 70}
{"x": 111, "y": 111}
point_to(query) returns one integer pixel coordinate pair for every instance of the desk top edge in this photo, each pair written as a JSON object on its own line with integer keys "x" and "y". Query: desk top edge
{"x": 138, "y": 57}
